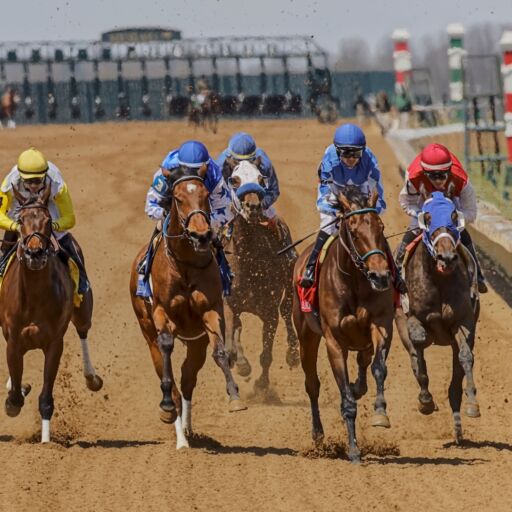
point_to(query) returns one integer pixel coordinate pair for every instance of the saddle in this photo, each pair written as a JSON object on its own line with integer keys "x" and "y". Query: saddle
{"x": 309, "y": 296}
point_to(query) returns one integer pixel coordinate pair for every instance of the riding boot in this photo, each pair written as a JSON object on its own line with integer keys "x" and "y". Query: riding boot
{"x": 144, "y": 268}
{"x": 465, "y": 238}
{"x": 398, "y": 281}
{"x": 408, "y": 237}
{"x": 69, "y": 247}
{"x": 226, "y": 275}
{"x": 9, "y": 245}
{"x": 308, "y": 277}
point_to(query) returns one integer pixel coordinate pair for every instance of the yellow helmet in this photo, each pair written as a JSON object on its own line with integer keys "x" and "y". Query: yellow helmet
{"x": 32, "y": 164}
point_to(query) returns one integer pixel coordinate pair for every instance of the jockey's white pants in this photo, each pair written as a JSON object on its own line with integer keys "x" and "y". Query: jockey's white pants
{"x": 324, "y": 220}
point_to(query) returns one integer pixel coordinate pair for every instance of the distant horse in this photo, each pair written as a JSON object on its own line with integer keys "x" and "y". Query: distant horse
{"x": 262, "y": 283}
{"x": 8, "y": 104}
{"x": 187, "y": 301}
{"x": 355, "y": 312}
{"x": 204, "y": 110}
{"x": 443, "y": 305}
{"x": 36, "y": 306}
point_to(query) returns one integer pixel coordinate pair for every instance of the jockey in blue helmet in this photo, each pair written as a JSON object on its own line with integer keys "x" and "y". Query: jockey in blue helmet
{"x": 348, "y": 161}
{"x": 191, "y": 155}
{"x": 242, "y": 146}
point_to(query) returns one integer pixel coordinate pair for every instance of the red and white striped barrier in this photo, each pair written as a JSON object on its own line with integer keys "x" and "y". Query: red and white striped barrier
{"x": 506, "y": 70}
{"x": 401, "y": 58}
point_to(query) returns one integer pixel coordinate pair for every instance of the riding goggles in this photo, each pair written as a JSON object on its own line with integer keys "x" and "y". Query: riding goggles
{"x": 437, "y": 175}
{"x": 349, "y": 152}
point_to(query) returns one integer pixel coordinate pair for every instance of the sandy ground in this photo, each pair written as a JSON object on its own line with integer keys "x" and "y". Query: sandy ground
{"x": 111, "y": 452}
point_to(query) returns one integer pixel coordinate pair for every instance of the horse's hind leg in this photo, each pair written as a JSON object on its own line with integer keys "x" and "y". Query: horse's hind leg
{"x": 381, "y": 337}
{"x": 52, "y": 356}
{"x": 196, "y": 356}
{"x": 465, "y": 338}
{"x": 455, "y": 393}
{"x": 360, "y": 386}
{"x": 82, "y": 321}
{"x": 415, "y": 344}
{"x": 15, "y": 397}
{"x": 309, "y": 343}
{"x": 233, "y": 344}
{"x": 285, "y": 308}
{"x": 269, "y": 332}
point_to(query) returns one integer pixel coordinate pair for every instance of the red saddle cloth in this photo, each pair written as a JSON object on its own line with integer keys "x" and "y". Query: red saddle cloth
{"x": 308, "y": 296}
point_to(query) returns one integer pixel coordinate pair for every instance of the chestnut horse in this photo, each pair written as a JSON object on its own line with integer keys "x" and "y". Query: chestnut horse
{"x": 262, "y": 283}
{"x": 355, "y": 312}
{"x": 443, "y": 305}
{"x": 187, "y": 301}
{"x": 36, "y": 306}
{"x": 8, "y": 104}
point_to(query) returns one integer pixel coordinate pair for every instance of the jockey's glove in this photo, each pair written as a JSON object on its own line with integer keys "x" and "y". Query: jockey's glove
{"x": 15, "y": 226}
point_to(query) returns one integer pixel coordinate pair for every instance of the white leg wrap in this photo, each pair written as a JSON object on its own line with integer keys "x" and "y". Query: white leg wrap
{"x": 186, "y": 414}
{"x": 45, "y": 431}
{"x": 181, "y": 440}
{"x": 88, "y": 367}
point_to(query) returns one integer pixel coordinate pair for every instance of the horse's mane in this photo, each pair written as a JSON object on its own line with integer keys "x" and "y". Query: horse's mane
{"x": 355, "y": 195}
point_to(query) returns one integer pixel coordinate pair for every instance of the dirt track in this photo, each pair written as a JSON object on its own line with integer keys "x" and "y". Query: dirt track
{"x": 112, "y": 453}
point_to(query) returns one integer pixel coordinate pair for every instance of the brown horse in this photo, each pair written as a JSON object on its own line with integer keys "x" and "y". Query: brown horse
{"x": 211, "y": 110}
{"x": 262, "y": 283}
{"x": 36, "y": 306}
{"x": 355, "y": 312}
{"x": 187, "y": 301}
{"x": 443, "y": 306}
{"x": 8, "y": 103}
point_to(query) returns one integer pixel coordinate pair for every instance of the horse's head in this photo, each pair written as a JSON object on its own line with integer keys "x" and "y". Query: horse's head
{"x": 365, "y": 236}
{"x": 441, "y": 224}
{"x": 247, "y": 184}
{"x": 191, "y": 205}
{"x": 35, "y": 227}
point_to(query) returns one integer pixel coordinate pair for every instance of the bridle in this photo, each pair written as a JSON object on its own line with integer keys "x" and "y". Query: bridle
{"x": 46, "y": 240}
{"x": 358, "y": 259}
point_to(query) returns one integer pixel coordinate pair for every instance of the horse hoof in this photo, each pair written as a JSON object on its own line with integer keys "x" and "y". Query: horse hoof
{"x": 472, "y": 411}
{"x": 236, "y": 405}
{"x": 244, "y": 368}
{"x": 354, "y": 455}
{"x": 292, "y": 357}
{"x": 12, "y": 410}
{"x": 427, "y": 408}
{"x": 318, "y": 439}
{"x": 381, "y": 420}
{"x": 94, "y": 382}
{"x": 168, "y": 416}
{"x": 261, "y": 384}
{"x": 26, "y": 389}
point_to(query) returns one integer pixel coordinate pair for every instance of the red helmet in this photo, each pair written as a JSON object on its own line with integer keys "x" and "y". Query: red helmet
{"x": 435, "y": 158}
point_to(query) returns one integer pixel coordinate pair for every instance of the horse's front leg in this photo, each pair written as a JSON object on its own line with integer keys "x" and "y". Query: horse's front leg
{"x": 465, "y": 338}
{"x": 285, "y": 308}
{"x": 213, "y": 323}
{"x": 381, "y": 337}
{"x": 165, "y": 342}
{"x": 52, "y": 356}
{"x": 338, "y": 360}
{"x": 15, "y": 396}
{"x": 269, "y": 332}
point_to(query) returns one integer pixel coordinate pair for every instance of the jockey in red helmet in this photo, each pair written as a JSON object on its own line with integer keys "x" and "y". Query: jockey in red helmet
{"x": 438, "y": 169}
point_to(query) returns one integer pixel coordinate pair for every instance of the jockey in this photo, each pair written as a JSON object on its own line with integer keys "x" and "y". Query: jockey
{"x": 348, "y": 161}
{"x": 30, "y": 176}
{"x": 437, "y": 169}
{"x": 192, "y": 155}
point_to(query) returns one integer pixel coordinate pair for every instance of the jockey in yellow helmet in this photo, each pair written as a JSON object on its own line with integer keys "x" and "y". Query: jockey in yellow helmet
{"x": 29, "y": 176}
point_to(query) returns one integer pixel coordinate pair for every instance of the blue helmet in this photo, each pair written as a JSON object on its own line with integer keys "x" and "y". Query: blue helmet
{"x": 349, "y": 135}
{"x": 242, "y": 146}
{"x": 193, "y": 154}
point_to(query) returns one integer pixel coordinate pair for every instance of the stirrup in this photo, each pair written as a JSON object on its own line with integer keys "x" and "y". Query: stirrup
{"x": 308, "y": 278}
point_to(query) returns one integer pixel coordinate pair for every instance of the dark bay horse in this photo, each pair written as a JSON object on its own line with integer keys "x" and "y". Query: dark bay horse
{"x": 355, "y": 312}
{"x": 204, "y": 110}
{"x": 187, "y": 301}
{"x": 36, "y": 306}
{"x": 262, "y": 283}
{"x": 8, "y": 103}
{"x": 443, "y": 305}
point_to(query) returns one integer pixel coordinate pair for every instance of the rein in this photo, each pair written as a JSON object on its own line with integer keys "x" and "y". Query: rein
{"x": 358, "y": 260}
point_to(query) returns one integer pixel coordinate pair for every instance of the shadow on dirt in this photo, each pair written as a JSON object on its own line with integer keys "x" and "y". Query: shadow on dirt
{"x": 467, "y": 443}
{"x": 213, "y": 446}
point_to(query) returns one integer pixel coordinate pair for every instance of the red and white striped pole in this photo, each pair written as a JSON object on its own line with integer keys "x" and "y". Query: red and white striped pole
{"x": 506, "y": 70}
{"x": 401, "y": 59}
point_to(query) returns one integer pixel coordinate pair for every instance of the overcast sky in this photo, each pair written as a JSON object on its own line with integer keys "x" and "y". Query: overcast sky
{"x": 328, "y": 21}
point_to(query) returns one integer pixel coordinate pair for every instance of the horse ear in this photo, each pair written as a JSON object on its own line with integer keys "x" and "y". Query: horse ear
{"x": 18, "y": 196}
{"x": 257, "y": 162}
{"x": 450, "y": 191}
{"x": 424, "y": 192}
{"x": 374, "y": 198}
{"x": 165, "y": 172}
{"x": 44, "y": 195}
{"x": 344, "y": 201}
{"x": 202, "y": 170}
